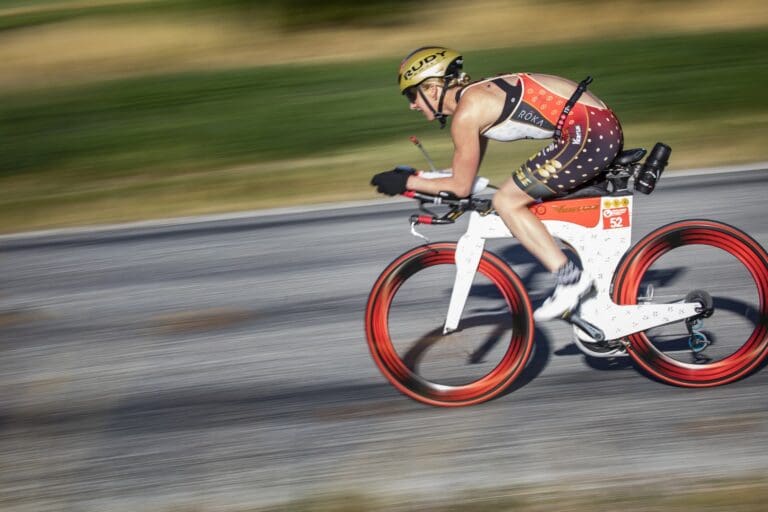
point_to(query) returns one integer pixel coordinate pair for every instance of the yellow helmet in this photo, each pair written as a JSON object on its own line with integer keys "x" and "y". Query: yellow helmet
{"x": 428, "y": 62}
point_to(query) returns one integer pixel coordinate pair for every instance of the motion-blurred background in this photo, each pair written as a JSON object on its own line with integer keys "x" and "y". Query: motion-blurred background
{"x": 117, "y": 110}
{"x": 222, "y": 365}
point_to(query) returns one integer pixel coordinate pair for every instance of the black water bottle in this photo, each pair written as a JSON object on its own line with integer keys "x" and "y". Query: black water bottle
{"x": 646, "y": 179}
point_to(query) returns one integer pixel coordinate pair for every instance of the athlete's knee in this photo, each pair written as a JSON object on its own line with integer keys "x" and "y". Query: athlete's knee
{"x": 500, "y": 201}
{"x": 510, "y": 198}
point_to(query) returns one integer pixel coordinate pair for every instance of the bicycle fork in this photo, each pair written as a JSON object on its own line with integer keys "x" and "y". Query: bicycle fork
{"x": 469, "y": 250}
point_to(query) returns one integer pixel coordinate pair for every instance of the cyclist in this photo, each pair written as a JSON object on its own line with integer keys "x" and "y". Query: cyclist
{"x": 586, "y": 138}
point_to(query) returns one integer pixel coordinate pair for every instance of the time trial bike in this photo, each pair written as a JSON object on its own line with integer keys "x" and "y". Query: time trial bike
{"x": 450, "y": 323}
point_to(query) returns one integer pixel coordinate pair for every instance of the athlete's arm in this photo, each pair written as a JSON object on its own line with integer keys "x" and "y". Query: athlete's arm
{"x": 469, "y": 149}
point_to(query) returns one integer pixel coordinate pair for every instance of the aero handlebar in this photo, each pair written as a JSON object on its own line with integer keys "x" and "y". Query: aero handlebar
{"x": 457, "y": 207}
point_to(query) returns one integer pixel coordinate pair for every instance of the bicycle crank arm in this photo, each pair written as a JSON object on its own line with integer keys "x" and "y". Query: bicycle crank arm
{"x": 593, "y": 331}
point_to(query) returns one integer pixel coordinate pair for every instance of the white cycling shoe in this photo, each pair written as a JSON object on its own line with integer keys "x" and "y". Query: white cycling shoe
{"x": 564, "y": 299}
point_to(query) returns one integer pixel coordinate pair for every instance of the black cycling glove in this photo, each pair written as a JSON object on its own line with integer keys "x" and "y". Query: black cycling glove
{"x": 392, "y": 182}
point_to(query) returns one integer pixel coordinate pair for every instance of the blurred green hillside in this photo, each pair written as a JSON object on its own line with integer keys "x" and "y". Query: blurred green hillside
{"x": 116, "y": 127}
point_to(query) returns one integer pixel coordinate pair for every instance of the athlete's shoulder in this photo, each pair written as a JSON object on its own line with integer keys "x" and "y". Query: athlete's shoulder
{"x": 487, "y": 90}
{"x": 490, "y": 83}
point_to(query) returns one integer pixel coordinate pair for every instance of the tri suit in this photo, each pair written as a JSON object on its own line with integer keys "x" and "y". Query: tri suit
{"x": 591, "y": 137}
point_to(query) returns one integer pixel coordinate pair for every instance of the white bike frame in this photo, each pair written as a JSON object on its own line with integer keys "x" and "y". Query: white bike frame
{"x": 599, "y": 230}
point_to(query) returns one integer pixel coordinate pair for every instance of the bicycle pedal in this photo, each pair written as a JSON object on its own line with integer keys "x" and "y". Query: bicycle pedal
{"x": 592, "y": 331}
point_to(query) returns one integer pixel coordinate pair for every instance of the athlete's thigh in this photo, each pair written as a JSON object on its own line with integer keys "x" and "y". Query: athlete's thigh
{"x": 591, "y": 140}
{"x": 511, "y": 193}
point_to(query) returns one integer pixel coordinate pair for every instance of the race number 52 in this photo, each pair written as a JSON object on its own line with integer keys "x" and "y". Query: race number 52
{"x": 614, "y": 218}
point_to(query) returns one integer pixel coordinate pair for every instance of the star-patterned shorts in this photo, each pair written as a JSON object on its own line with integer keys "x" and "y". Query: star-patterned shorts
{"x": 591, "y": 139}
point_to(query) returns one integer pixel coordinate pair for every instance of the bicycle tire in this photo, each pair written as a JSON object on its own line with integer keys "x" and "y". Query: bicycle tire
{"x": 741, "y": 248}
{"x": 405, "y": 378}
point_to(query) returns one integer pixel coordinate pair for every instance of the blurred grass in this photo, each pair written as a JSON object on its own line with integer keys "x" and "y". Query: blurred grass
{"x": 289, "y": 14}
{"x": 244, "y": 139}
{"x": 16, "y": 14}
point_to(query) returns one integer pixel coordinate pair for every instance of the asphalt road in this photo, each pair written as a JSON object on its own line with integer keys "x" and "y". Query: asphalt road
{"x": 224, "y": 363}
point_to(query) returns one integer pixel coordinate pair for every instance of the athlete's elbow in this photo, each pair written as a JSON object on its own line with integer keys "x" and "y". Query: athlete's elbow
{"x": 461, "y": 189}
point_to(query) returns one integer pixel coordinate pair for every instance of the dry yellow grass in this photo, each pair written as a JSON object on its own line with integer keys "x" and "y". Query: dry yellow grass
{"x": 18, "y": 10}
{"x": 89, "y": 49}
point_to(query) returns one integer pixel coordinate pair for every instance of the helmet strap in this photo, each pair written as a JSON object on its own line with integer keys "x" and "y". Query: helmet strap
{"x": 426, "y": 102}
{"x": 439, "y": 114}
{"x": 442, "y": 118}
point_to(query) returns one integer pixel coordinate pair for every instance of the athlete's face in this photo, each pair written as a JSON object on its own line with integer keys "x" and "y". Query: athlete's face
{"x": 416, "y": 101}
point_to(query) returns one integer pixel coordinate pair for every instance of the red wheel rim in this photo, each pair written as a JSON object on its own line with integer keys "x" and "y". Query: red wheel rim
{"x": 714, "y": 234}
{"x": 411, "y": 384}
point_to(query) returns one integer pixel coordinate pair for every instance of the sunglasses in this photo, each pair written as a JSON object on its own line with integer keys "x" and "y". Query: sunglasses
{"x": 410, "y": 94}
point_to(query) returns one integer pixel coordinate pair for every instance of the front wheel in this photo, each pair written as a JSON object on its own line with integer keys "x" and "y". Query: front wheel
{"x": 714, "y": 264}
{"x": 404, "y": 327}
